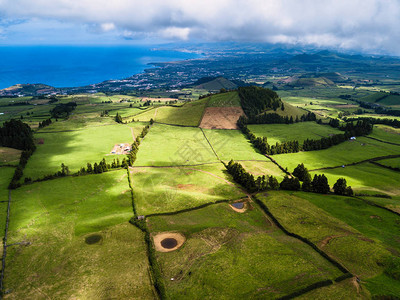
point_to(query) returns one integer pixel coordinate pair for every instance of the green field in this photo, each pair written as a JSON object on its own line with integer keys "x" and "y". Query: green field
{"x": 166, "y": 145}
{"x": 232, "y": 144}
{"x": 290, "y": 132}
{"x": 225, "y": 99}
{"x": 188, "y": 114}
{"x": 178, "y": 184}
{"x": 260, "y": 168}
{"x": 9, "y": 156}
{"x": 392, "y": 162}
{"x": 386, "y": 133}
{"x": 234, "y": 256}
{"x": 159, "y": 190}
{"x": 345, "y": 153}
{"x": 6, "y": 173}
{"x": 359, "y": 178}
{"x": 340, "y": 226}
{"x": 76, "y": 148}
{"x": 52, "y": 226}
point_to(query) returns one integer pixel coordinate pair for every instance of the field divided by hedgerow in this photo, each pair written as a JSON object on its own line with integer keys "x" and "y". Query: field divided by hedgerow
{"x": 232, "y": 144}
{"x": 235, "y": 255}
{"x": 160, "y": 190}
{"x": 355, "y": 248}
{"x": 77, "y": 148}
{"x": 383, "y": 181}
{"x": 290, "y": 132}
{"x": 345, "y": 153}
{"x": 167, "y": 145}
{"x": 52, "y": 221}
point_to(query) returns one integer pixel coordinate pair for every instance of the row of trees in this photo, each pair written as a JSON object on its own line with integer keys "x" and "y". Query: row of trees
{"x": 274, "y": 118}
{"x": 301, "y": 180}
{"x": 362, "y": 127}
{"x": 319, "y": 184}
{"x": 45, "y": 123}
{"x": 389, "y": 122}
{"x": 247, "y": 180}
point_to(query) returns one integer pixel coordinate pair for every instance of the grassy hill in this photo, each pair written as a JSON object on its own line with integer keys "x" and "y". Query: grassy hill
{"x": 215, "y": 84}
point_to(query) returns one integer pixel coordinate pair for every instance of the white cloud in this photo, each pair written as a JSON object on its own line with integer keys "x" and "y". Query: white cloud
{"x": 107, "y": 26}
{"x": 372, "y": 25}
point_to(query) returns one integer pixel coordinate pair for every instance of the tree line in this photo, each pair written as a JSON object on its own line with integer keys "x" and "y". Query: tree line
{"x": 274, "y": 118}
{"x": 247, "y": 180}
{"x": 362, "y": 127}
{"x": 301, "y": 180}
{"x": 45, "y": 123}
{"x": 388, "y": 122}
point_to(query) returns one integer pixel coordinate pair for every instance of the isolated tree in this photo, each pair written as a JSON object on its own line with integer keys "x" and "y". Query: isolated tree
{"x": 320, "y": 184}
{"x": 282, "y": 107}
{"x": 300, "y": 172}
{"x": 339, "y": 188}
{"x": 291, "y": 184}
{"x": 118, "y": 118}
{"x": 273, "y": 183}
{"x": 349, "y": 191}
{"x": 306, "y": 186}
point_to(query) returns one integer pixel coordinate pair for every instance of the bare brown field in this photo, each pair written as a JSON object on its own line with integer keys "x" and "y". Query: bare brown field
{"x": 221, "y": 117}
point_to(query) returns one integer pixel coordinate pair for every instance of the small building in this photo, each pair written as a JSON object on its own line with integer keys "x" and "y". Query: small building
{"x": 352, "y": 138}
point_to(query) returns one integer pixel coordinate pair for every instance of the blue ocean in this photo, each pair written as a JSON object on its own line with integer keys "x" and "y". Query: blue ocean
{"x": 70, "y": 66}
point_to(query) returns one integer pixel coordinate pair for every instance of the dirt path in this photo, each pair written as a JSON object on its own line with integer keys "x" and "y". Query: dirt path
{"x": 326, "y": 240}
{"x": 155, "y": 114}
{"x": 133, "y": 134}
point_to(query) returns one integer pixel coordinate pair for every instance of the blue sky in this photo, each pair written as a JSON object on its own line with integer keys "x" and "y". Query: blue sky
{"x": 371, "y": 26}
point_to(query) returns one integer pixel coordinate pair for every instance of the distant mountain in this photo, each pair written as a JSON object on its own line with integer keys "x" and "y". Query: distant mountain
{"x": 29, "y": 89}
{"x": 217, "y": 83}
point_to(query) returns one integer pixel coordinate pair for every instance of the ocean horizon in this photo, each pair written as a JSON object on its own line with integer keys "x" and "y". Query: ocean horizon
{"x": 72, "y": 66}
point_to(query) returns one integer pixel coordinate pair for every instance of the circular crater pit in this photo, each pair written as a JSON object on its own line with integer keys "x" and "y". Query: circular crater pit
{"x": 93, "y": 239}
{"x": 168, "y": 241}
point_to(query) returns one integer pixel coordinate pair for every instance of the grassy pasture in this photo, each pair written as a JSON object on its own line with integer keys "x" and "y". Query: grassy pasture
{"x": 9, "y": 156}
{"x": 299, "y": 214}
{"x": 259, "y": 168}
{"x": 188, "y": 114}
{"x": 232, "y": 144}
{"x": 167, "y": 145}
{"x": 386, "y": 133}
{"x": 225, "y": 99}
{"x": 234, "y": 256}
{"x": 360, "y": 179}
{"x": 56, "y": 224}
{"x": 392, "y": 162}
{"x": 290, "y": 111}
{"x": 6, "y": 173}
{"x": 342, "y": 154}
{"x": 375, "y": 223}
{"x": 289, "y": 132}
{"x": 76, "y": 148}
{"x": 392, "y": 203}
{"x": 159, "y": 190}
